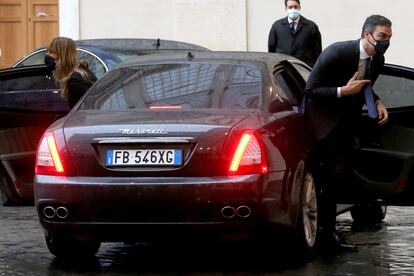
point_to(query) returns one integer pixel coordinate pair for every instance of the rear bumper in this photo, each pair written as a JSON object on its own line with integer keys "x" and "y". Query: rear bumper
{"x": 128, "y": 208}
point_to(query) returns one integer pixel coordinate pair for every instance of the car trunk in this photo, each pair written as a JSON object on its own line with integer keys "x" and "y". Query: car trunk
{"x": 150, "y": 143}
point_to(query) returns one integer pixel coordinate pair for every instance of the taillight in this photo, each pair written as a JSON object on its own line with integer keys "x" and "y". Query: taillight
{"x": 249, "y": 155}
{"x": 48, "y": 160}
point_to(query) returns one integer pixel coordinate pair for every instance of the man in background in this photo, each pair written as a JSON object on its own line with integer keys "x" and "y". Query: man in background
{"x": 295, "y": 35}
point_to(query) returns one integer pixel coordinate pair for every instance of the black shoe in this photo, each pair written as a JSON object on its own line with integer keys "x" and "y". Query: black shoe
{"x": 334, "y": 243}
{"x": 341, "y": 243}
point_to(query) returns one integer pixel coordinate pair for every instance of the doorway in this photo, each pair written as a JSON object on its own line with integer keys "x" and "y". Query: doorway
{"x": 24, "y": 26}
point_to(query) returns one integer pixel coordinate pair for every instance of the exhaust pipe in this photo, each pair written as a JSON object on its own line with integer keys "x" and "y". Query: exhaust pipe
{"x": 49, "y": 212}
{"x": 244, "y": 211}
{"x": 62, "y": 212}
{"x": 228, "y": 212}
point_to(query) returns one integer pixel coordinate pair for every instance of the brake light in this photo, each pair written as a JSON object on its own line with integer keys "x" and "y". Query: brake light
{"x": 165, "y": 107}
{"x": 249, "y": 155}
{"x": 48, "y": 160}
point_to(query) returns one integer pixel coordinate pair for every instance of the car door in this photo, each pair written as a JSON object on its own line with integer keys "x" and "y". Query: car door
{"x": 384, "y": 157}
{"x": 29, "y": 103}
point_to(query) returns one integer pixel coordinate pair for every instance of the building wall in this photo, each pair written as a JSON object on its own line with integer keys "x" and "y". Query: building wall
{"x": 234, "y": 24}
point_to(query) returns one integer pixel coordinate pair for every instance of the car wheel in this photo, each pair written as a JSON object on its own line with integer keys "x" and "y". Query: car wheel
{"x": 71, "y": 248}
{"x": 5, "y": 198}
{"x": 368, "y": 214}
{"x": 307, "y": 226}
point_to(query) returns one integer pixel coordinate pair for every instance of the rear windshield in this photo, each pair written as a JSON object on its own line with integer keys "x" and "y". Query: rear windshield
{"x": 182, "y": 86}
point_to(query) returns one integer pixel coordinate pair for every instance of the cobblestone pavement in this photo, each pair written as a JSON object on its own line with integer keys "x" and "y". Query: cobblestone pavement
{"x": 387, "y": 249}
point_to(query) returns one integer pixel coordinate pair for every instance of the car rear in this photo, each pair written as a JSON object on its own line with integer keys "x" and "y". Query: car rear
{"x": 154, "y": 148}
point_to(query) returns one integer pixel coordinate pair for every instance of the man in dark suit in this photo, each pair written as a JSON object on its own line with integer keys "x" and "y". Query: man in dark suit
{"x": 338, "y": 87}
{"x": 295, "y": 35}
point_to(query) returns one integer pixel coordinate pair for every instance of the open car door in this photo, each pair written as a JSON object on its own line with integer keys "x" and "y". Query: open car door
{"x": 29, "y": 103}
{"x": 383, "y": 164}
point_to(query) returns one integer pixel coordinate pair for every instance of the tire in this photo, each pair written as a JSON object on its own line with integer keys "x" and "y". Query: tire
{"x": 71, "y": 248}
{"x": 368, "y": 214}
{"x": 307, "y": 225}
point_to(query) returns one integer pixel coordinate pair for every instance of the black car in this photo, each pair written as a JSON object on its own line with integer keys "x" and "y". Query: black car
{"x": 30, "y": 101}
{"x": 211, "y": 141}
{"x": 104, "y": 54}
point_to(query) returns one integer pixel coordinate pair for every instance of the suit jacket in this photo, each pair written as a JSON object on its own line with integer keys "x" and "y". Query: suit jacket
{"x": 305, "y": 44}
{"x": 334, "y": 67}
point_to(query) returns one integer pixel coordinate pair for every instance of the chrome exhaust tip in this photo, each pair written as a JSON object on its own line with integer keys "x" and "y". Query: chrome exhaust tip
{"x": 244, "y": 211}
{"x": 62, "y": 212}
{"x": 228, "y": 212}
{"x": 49, "y": 212}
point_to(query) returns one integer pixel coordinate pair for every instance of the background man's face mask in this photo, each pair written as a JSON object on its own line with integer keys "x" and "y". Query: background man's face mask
{"x": 293, "y": 14}
{"x": 50, "y": 62}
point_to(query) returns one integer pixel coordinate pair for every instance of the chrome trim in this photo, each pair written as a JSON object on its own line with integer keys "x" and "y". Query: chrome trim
{"x": 45, "y": 50}
{"x": 244, "y": 211}
{"x": 228, "y": 212}
{"x": 143, "y": 140}
{"x": 98, "y": 58}
{"x": 48, "y": 209}
{"x": 62, "y": 212}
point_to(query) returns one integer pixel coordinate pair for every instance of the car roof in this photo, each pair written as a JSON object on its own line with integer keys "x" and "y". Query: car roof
{"x": 268, "y": 59}
{"x": 134, "y": 44}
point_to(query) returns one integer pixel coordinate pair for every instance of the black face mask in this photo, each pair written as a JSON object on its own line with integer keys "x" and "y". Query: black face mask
{"x": 380, "y": 46}
{"x": 50, "y": 62}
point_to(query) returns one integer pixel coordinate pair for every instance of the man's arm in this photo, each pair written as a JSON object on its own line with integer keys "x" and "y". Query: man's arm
{"x": 317, "y": 48}
{"x": 316, "y": 86}
{"x": 272, "y": 40}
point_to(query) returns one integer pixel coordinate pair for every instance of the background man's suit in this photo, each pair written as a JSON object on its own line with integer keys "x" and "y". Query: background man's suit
{"x": 304, "y": 44}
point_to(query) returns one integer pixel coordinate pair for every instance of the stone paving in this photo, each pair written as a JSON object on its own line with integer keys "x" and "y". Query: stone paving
{"x": 386, "y": 249}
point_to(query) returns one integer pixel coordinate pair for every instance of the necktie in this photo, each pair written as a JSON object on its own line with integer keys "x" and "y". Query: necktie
{"x": 369, "y": 93}
{"x": 292, "y": 27}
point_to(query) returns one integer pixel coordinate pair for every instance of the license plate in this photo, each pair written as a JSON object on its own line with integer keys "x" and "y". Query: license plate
{"x": 158, "y": 157}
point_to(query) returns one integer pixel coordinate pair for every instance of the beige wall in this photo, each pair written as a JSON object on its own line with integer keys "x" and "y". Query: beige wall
{"x": 339, "y": 20}
{"x": 241, "y": 24}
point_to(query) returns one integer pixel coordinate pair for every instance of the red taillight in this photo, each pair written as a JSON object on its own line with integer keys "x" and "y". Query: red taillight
{"x": 48, "y": 160}
{"x": 249, "y": 156}
{"x": 165, "y": 107}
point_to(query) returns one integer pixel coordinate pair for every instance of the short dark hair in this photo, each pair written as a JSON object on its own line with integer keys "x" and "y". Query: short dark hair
{"x": 373, "y": 21}
{"x": 291, "y": 0}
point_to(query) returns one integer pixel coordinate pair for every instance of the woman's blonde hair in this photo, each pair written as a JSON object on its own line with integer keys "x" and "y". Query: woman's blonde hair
{"x": 67, "y": 62}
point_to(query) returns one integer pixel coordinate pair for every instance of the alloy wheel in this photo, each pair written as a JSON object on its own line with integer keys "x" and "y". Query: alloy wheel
{"x": 309, "y": 210}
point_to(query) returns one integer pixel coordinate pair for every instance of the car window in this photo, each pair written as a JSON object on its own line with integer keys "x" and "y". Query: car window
{"x": 27, "y": 83}
{"x": 31, "y": 93}
{"x": 35, "y": 59}
{"x": 395, "y": 91}
{"x": 289, "y": 85}
{"x": 95, "y": 65}
{"x": 195, "y": 85}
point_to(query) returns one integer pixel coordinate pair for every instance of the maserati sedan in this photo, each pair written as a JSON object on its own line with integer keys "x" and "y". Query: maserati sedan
{"x": 30, "y": 101}
{"x": 208, "y": 142}
{"x": 104, "y": 54}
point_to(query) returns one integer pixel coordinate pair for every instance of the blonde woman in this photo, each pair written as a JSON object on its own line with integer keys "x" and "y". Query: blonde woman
{"x": 73, "y": 77}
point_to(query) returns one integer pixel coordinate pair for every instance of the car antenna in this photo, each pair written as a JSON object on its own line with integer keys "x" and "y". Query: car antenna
{"x": 190, "y": 56}
{"x": 157, "y": 44}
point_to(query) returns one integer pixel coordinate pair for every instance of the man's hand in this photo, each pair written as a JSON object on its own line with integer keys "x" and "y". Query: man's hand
{"x": 382, "y": 112}
{"x": 353, "y": 86}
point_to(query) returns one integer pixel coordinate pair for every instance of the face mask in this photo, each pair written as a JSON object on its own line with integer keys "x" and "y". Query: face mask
{"x": 50, "y": 62}
{"x": 380, "y": 46}
{"x": 293, "y": 14}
